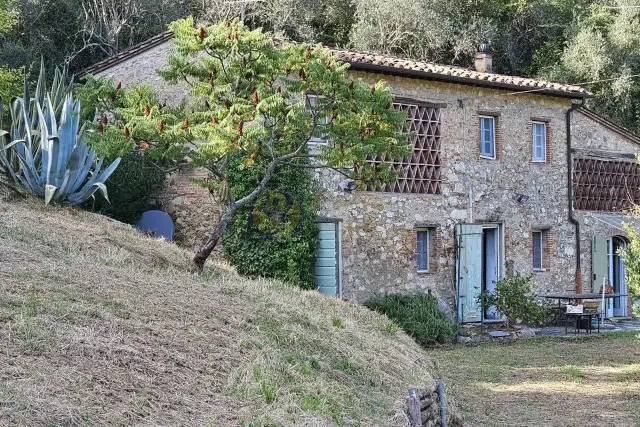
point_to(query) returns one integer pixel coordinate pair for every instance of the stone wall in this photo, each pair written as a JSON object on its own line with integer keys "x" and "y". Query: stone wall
{"x": 589, "y": 134}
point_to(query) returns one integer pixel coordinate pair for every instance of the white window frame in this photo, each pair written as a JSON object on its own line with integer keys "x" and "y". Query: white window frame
{"x": 534, "y": 145}
{"x": 428, "y": 232}
{"x": 542, "y": 244}
{"x": 493, "y": 134}
{"x": 325, "y": 120}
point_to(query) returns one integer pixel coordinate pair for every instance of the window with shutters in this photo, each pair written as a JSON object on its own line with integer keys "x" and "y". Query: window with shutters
{"x": 488, "y": 137}
{"x": 539, "y": 140}
{"x": 419, "y": 173}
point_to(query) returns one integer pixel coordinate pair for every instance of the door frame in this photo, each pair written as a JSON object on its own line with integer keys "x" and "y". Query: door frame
{"x": 499, "y": 226}
{"x": 338, "y": 223}
{"x": 501, "y": 261}
{"x": 622, "y": 311}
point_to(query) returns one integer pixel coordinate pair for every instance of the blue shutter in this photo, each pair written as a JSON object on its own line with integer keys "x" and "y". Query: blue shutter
{"x": 469, "y": 272}
{"x": 326, "y": 266}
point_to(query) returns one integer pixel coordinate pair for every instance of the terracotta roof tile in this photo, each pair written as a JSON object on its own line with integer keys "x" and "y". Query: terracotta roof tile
{"x": 392, "y": 65}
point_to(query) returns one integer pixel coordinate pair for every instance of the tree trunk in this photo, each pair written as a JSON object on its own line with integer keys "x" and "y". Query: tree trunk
{"x": 204, "y": 251}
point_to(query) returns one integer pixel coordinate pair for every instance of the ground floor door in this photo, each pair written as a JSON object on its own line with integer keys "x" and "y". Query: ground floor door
{"x": 608, "y": 267}
{"x": 478, "y": 268}
{"x": 327, "y": 266}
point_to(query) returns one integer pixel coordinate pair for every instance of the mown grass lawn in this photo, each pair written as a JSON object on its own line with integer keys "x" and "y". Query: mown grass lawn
{"x": 590, "y": 381}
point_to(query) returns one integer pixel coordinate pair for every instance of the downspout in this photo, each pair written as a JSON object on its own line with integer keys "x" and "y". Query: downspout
{"x": 572, "y": 220}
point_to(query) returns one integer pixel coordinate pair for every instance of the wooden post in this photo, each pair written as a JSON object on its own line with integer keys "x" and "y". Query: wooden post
{"x": 414, "y": 408}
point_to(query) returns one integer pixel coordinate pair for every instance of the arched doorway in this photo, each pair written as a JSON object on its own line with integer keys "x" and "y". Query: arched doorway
{"x": 617, "y": 277}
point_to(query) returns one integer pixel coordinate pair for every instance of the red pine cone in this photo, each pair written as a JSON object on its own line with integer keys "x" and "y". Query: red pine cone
{"x": 308, "y": 54}
{"x": 328, "y": 64}
{"x": 147, "y": 110}
{"x": 255, "y": 97}
{"x": 303, "y": 75}
{"x": 201, "y": 33}
{"x": 126, "y": 132}
{"x": 161, "y": 126}
{"x": 119, "y": 86}
{"x": 185, "y": 124}
{"x": 240, "y": 126}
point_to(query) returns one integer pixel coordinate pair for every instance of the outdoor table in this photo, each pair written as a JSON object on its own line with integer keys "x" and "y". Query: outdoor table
{"x": 577, "y": 297}
{"x": 579, "y": 316}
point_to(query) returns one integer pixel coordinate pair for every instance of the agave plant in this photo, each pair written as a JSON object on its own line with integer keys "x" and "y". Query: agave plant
{"x": 48, "y": 158}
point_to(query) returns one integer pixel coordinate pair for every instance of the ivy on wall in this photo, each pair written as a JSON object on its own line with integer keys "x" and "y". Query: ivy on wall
{"x": 275, "y": 237}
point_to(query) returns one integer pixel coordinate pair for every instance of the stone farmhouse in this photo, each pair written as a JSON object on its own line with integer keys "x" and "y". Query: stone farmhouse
{"x": 509, "y": 175}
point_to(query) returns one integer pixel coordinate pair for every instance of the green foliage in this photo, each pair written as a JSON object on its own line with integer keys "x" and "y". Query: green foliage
{"x": 631, "y": 258}
{"x": 10, "y": 84}
{"x": 45, "y": 153}
{"x": 276, "y": 236}
{"x": 130, "y": 187}
{"x": 514, "y": 297}
{"x": 8, "y": 15}
{"x": 418, "y": 315}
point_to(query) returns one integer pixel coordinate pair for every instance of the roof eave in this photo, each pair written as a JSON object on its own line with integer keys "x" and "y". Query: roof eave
{"x": 425, "y": 75}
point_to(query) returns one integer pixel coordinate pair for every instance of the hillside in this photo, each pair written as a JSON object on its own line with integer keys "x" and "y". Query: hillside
{"x": 102, "y": 326}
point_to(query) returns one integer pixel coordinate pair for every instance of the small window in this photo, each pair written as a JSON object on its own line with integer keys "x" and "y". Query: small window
{"x": 538, "y": 244}
{"x": 314, "y": 106}
{"x": 539, "y": 141}
{"x": 423, "y": 249}
{"x": 488, "y": 137}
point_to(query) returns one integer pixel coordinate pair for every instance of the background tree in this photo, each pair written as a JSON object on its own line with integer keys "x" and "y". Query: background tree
{"x": 603, "y": 47}
{"x": 260, "y": 104}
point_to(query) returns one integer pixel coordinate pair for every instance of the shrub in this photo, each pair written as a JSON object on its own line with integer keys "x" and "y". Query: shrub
{"x": 514, "y": 298}
{"x": 418, "y": 315}
{"x": 631, "y": 258}
{"x": 130, "y": 188}
{"x": 275, "y": 237}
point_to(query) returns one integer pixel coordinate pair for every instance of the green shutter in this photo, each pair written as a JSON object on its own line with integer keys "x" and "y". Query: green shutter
{"x": 469, "y": 272}
{"x": 326, "y": 267}
{"x": 599, "y": 262}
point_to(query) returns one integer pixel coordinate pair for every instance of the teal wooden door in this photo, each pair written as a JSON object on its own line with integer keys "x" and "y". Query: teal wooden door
{"x": 326, "y": 267}
{"x": 469, "y": 272}
{"x": 599, "y": 262}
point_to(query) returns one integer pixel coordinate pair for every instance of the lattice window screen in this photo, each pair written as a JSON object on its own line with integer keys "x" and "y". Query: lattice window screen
{"x": 419, "y": 173}
{"x": 605, "y": 185}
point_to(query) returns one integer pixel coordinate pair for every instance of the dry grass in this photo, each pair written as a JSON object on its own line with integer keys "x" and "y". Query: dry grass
{"x": 592, "y": 381}
{"x": 102, "y": 326}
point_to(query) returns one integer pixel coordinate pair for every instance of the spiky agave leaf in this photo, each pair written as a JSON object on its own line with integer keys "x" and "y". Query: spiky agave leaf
{"x": 53, "y": 160}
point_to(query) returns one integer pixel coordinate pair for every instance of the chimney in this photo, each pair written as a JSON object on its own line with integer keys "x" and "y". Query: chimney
{"x": 483, "y": 59}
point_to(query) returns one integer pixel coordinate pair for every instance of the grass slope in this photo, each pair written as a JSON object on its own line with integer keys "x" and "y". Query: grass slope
{"x": 102, "y": 326}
